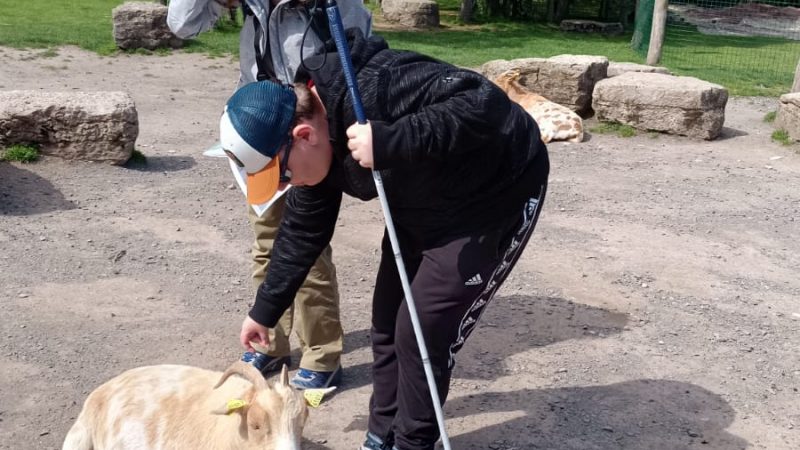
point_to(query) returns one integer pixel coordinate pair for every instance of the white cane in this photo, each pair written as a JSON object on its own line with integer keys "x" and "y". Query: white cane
{"x": 337, "y": 32}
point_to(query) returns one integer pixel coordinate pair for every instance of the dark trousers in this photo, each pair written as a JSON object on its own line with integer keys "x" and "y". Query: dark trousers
{"x": 451, "y": 283}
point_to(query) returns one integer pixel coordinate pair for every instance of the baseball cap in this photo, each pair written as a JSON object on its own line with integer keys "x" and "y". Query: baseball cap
{"x": 255, "y": 125}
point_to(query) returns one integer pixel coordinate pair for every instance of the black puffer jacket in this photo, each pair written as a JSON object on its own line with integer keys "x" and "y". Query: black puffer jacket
{"x": 454, "y": 152}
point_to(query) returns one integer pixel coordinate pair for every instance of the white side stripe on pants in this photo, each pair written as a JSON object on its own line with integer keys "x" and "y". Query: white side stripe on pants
{"x": 500, "y": 273}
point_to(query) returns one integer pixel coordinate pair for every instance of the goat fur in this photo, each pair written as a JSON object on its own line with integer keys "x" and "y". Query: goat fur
{"x": 179, "y": 407}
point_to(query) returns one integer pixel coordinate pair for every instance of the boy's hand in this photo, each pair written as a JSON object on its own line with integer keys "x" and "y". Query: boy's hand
{"x": 253, "y": 331}
{"x": 360, "y": 144}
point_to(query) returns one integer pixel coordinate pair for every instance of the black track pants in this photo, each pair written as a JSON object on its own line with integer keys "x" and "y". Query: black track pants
{"x": 451, "y": 284}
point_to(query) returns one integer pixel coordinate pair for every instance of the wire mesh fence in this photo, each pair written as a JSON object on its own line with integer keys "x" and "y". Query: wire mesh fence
{"x": 758, "y": 40}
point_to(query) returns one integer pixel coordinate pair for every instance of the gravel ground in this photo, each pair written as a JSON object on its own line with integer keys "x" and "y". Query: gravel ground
{"x": 655, "y": 308}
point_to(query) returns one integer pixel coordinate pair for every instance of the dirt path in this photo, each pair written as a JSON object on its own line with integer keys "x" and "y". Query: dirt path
{"x": 656, "y": 307}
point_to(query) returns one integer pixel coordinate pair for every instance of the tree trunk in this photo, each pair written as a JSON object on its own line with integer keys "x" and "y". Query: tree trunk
{"x": 557, "y": 10}
{"x": 467, "y": 11}
{"x": 796, "y": 84}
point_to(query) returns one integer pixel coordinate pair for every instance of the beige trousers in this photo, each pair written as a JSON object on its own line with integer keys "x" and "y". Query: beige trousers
{"x": 314, "y": 316}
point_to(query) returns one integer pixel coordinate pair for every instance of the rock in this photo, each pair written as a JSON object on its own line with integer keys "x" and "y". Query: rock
{"x": 591, "y": 26}
{"x": 618, "y": 68}
{"x": 652, "y": 101}
{"x": 564, "y": 79}
{"x": 788, "y": 117}
{"x": 143, "y": 25}
{"x": 92, "y": 126}
{"x": 411, "y": 13}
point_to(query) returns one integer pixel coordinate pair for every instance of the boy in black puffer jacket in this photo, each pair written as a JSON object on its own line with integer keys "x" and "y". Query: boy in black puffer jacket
{"x": 465, "y": 174}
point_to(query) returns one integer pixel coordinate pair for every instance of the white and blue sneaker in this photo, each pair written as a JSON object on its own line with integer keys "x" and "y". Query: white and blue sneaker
{"x": 312, "y": 379}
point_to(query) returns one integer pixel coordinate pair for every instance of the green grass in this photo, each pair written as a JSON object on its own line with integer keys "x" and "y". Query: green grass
{"x": 746, "y": 66}
{"x": 40, "y": 24}
{"x": 87, "y": 24}
{"x": 614, "y": 128}
{"x": 137, "y": 157}
{"x": 507, "y": 40}
{"x": 770, "y": 116}
{"x": 20, "y": 153}
{"x": 782, "y": 137}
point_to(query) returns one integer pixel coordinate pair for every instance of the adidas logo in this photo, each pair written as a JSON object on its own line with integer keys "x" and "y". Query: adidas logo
{"x": 475, "y": 280}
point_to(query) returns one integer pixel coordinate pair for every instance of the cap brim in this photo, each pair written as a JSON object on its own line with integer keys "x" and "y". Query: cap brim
{"x": 262, "y": 185}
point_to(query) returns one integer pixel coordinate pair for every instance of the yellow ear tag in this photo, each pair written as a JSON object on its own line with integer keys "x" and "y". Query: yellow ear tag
{"x": 314, "y": 396}
{"x": 234, "y": 404}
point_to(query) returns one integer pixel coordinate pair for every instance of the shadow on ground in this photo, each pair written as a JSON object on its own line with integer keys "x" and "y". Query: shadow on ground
{"x": 518, "y": 323}
{"x": 729, "y": 133}
{"x": 536, "y": 321}
{"x": 23, "y": 193}
{"x": 640, "y": 414}
{"x": 162, "y": 164}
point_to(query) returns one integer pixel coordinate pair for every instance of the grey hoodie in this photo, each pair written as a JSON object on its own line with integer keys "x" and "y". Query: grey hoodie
{"x": 188, "y": 18}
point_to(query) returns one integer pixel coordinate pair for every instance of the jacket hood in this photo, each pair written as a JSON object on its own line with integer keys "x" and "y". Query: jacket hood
{"x": 331, "y": 85}
{"x": 325, "y": 67}
{"x": 326, "y": 71}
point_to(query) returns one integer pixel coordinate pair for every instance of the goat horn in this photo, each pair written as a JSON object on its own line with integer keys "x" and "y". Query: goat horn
{"x": 245, "y": 371}
{"x": 284, "y": 376}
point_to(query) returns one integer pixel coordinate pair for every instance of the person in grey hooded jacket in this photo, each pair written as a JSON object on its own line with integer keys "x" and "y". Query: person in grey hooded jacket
{"x": 271, "y": 46}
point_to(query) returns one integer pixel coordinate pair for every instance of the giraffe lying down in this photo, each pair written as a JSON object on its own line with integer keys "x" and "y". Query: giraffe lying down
{"x": 556, "y": 122}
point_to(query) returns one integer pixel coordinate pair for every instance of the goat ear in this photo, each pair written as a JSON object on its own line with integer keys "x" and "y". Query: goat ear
{"x": 232, "y": 405}
{"x": 284, "y": 379}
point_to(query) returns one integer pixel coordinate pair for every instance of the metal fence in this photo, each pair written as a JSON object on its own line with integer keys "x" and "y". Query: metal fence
{"x": 760, "y": 41}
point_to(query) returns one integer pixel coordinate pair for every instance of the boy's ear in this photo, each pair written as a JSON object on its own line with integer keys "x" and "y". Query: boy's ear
{"x": 305, "y": 132}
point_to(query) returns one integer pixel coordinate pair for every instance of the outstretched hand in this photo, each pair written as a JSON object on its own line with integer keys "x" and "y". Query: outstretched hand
{"x": 359, "y": 141}
{"x": 253, "y": 331}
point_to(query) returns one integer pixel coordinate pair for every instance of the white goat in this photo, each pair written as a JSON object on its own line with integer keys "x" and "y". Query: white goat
{"x": 176, "y": 408}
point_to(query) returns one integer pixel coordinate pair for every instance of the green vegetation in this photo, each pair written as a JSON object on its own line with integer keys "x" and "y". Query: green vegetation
{"x": 20, "y": 153}
{"x": 137, "y": 157}
{"x": 88, "y": 24}
{"x": 738, "y": 65}
{"x": 46, "y": 24}
{"x": 782, "y": 137}
{"x": 614, "y": 128}
{"x": 770, "y": 116}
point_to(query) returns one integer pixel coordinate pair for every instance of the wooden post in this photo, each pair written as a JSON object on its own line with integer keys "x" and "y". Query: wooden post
{"x": 796, "y": 84}
{"x": 657, "y": 32}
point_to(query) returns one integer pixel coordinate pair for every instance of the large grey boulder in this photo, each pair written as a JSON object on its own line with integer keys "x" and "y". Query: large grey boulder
{"x": 618, "y": 68}
{"x": 411, "y": 13}
{"x": 93, "y": 126}
{"x": 652, "y": 101}
{"x": 564, "y": 79}
{"x": 788, "y": 117}
{"x": 143, "y": 25}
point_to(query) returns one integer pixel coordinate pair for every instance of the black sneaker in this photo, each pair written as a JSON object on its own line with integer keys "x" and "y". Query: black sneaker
{"x": 375, "y": 443}
{"x": 264, "y": 363}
